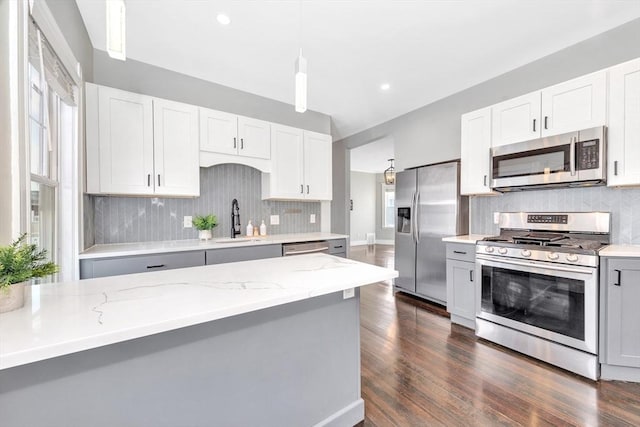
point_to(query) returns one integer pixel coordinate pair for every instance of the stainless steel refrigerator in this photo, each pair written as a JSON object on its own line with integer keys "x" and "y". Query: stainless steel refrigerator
{"x": 428, "y": 208}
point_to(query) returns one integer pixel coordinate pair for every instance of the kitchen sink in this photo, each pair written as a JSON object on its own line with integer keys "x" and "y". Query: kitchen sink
{"x": 237, "y": 240}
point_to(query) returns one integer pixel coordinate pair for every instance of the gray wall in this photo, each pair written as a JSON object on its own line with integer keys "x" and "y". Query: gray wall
{"x": 432, "y": 133}
{"x": 623, "y": 203}
{"x": 381, "y": 233}
{"x": 68, "y": 18}
{"x": 143, "y": 219}
{"x": 363, "y": 215}
{"x": 147, "y": 79}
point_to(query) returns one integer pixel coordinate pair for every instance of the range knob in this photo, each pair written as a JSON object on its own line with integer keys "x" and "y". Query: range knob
{"x": 488, "y": 249}
{"x": 553, "y": 255}
{"x": 526, "y": 253}
{"x": 502, "y": 250}
{"x": 572, "y": 257}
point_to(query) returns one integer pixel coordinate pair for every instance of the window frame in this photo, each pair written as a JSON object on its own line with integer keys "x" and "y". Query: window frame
{"x": 384, "y": 189}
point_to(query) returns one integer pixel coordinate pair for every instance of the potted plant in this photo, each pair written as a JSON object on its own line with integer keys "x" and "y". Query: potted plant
{"x": 205, "y": 223}
{"x": 20, "y": 262}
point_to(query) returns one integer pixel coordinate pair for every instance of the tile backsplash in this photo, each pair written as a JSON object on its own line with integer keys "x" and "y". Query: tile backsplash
{"x": 143, "y": 219}
{"x": 623, "y": 203}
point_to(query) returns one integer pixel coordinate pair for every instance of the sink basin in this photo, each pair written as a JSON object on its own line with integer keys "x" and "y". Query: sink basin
{"x": 236, "y": 240}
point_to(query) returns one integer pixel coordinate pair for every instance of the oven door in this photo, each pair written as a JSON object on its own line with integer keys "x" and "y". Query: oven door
{"x": 539, "y": 162}
{"x": 553, "y": 301}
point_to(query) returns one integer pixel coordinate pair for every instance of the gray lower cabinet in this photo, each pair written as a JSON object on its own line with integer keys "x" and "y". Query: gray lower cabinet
{"x": 243, "y": 253}
{"x": 620, "y": 318}
{"x": 338, "y": 247}
{"x": 102, "y": 267}
{"x": 461, "y": 287}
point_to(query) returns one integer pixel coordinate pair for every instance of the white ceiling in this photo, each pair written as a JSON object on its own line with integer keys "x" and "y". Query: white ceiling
{"x": 373, "y": 157}
{"x": 425, "y": 49}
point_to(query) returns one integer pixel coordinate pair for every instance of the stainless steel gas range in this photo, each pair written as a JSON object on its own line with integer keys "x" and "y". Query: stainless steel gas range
{"x": 538, "y": 287}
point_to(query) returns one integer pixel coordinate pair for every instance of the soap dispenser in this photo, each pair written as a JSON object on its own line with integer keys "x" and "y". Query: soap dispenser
{"x": 263, "y": 229}
{"x": 249, "y": 229}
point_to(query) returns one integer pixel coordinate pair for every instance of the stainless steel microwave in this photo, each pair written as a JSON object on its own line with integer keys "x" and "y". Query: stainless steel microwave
{"x": 568, "y": 160}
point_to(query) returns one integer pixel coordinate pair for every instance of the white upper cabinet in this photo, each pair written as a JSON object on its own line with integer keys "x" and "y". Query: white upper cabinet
{"x": 566, "y": 107}
{"x": 516, "y": 119}
{"x": 255, "y": 138}
{"x": 317, "y": 166}
{"x": 577, "y": 104}
{"x": 624, "y": 124}
{"x": 139, "y": 145}
{"x": 301, "y": 165}
{"x": 176, "y": 148}
{"x": 475, "y": 150}
{"x": 218, "y": 131}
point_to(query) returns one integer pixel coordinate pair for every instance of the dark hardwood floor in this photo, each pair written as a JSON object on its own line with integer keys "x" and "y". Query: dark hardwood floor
{"x": 420, "y": 370}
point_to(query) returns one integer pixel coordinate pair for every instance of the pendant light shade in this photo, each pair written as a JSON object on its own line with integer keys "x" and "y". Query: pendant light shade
{"x": 301, "y": 84}
{"x": 116, "y": 27}
{"x": 390, "y": 174}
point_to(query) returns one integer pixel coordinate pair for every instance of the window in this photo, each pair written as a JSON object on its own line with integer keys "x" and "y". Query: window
{"x": 388, "y": 206}
{"x": 51, "y": 143}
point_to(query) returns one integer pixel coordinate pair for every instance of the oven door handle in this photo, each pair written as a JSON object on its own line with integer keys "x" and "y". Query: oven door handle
{"x": 554, "y": 267}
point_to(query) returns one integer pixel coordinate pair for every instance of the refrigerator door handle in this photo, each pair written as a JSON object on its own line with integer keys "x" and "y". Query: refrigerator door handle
{"x": 417, "y": 216}
{"x": 413, "y": 216}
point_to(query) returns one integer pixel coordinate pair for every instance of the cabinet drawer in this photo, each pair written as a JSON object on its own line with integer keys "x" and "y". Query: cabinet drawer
{"x": 247, "y": 253}
{"x": 92, "y": 268}
{"x": 461, "y": 251}
{"x": 337, "y": 247}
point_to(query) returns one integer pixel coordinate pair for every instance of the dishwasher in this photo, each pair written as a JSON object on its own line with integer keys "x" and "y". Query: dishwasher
{"x": 289, "y": 249}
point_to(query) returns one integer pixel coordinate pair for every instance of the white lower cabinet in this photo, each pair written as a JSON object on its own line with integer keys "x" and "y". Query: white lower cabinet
{"x": 624, "y": 124}
{"x": 461, "y": 284}
{"x": 139, "y": 145}
{"x": 301, "y": 165}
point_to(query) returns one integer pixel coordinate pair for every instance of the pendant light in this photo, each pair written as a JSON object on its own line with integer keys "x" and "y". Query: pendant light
{"x": 116, "y": 26}
{"x": 390, "y": 174}
{"x": 301, "y": 74}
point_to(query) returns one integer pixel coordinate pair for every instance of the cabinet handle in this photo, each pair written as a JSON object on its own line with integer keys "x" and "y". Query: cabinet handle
{"x": 307, "y": 188}
{"x": 235, "y": 143}
{"x": 242, "y": 143}
{"x": 485, "y": 180}
{"x": 534, "y": 125}
{"x": 155, "y": 266}
{"x": 471, "y": 275}
{"x": 337, "y": 247}
{"x": 619, "y": 277}
{"x": 546, "y": 118}
{"x": 301, "y": 189}
{"x": 615, "y": 167}
{"x": 158, "y": 180}
{"x": 148, "y": 180}
{"x": 459, "y": 252}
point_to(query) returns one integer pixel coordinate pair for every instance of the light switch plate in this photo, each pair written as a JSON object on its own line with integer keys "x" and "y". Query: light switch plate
{"x": 188, "y": 222}
{"x": 348, "y": 293}
{"x": 496, "y": 217}
{"x": 312, "y": 218}
{"x": 274, "y": 219}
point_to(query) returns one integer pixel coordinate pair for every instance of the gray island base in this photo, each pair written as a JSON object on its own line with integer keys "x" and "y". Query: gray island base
{"x": 296, "y": 364}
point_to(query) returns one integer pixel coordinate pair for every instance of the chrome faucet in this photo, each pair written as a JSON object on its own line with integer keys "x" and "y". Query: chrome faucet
{"x": 235, "y": 219}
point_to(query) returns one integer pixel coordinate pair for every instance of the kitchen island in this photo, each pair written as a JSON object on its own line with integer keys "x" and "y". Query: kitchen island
{"x": 267, "y": 342}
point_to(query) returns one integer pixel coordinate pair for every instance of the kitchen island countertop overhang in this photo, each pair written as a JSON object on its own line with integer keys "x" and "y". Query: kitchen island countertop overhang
{"x": 64, "y": 318}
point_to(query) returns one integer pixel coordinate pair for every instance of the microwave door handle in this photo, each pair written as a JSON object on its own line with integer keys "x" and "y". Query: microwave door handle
{"x": 572, "y": 156}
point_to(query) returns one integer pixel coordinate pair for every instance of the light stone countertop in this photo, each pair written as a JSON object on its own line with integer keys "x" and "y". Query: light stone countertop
{"x": 145, "y": 248}
{"x": 64, "y": 318}
{"x": 469, "y": 239}
{"x": 629, "y": 251}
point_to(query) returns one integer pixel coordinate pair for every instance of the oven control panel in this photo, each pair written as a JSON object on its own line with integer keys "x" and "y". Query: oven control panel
{"x": 547, "y": 219}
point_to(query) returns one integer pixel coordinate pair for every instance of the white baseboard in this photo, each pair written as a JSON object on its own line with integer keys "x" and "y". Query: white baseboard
{"x": 385, "y": 242}
{"x": 378, "y": 242}
{"x": 358, "y": 242}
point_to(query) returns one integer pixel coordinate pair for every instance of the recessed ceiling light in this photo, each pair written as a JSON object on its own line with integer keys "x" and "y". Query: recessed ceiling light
{"x": 385, "y": 86}
{"x": 223, "y": 19}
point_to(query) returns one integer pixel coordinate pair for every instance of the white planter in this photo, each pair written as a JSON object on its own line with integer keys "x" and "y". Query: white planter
{"x": 204, "y": 234}
{"x": 12, "y": 297}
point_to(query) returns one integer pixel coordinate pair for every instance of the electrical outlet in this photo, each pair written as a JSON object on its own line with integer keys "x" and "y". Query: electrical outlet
{"x": 348, "y": 293}
{"x": 496, "y": 217}
{"x": 312, "y": 218}
{"x": 274, "y": 219}
{"x": 188, "y": 222}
